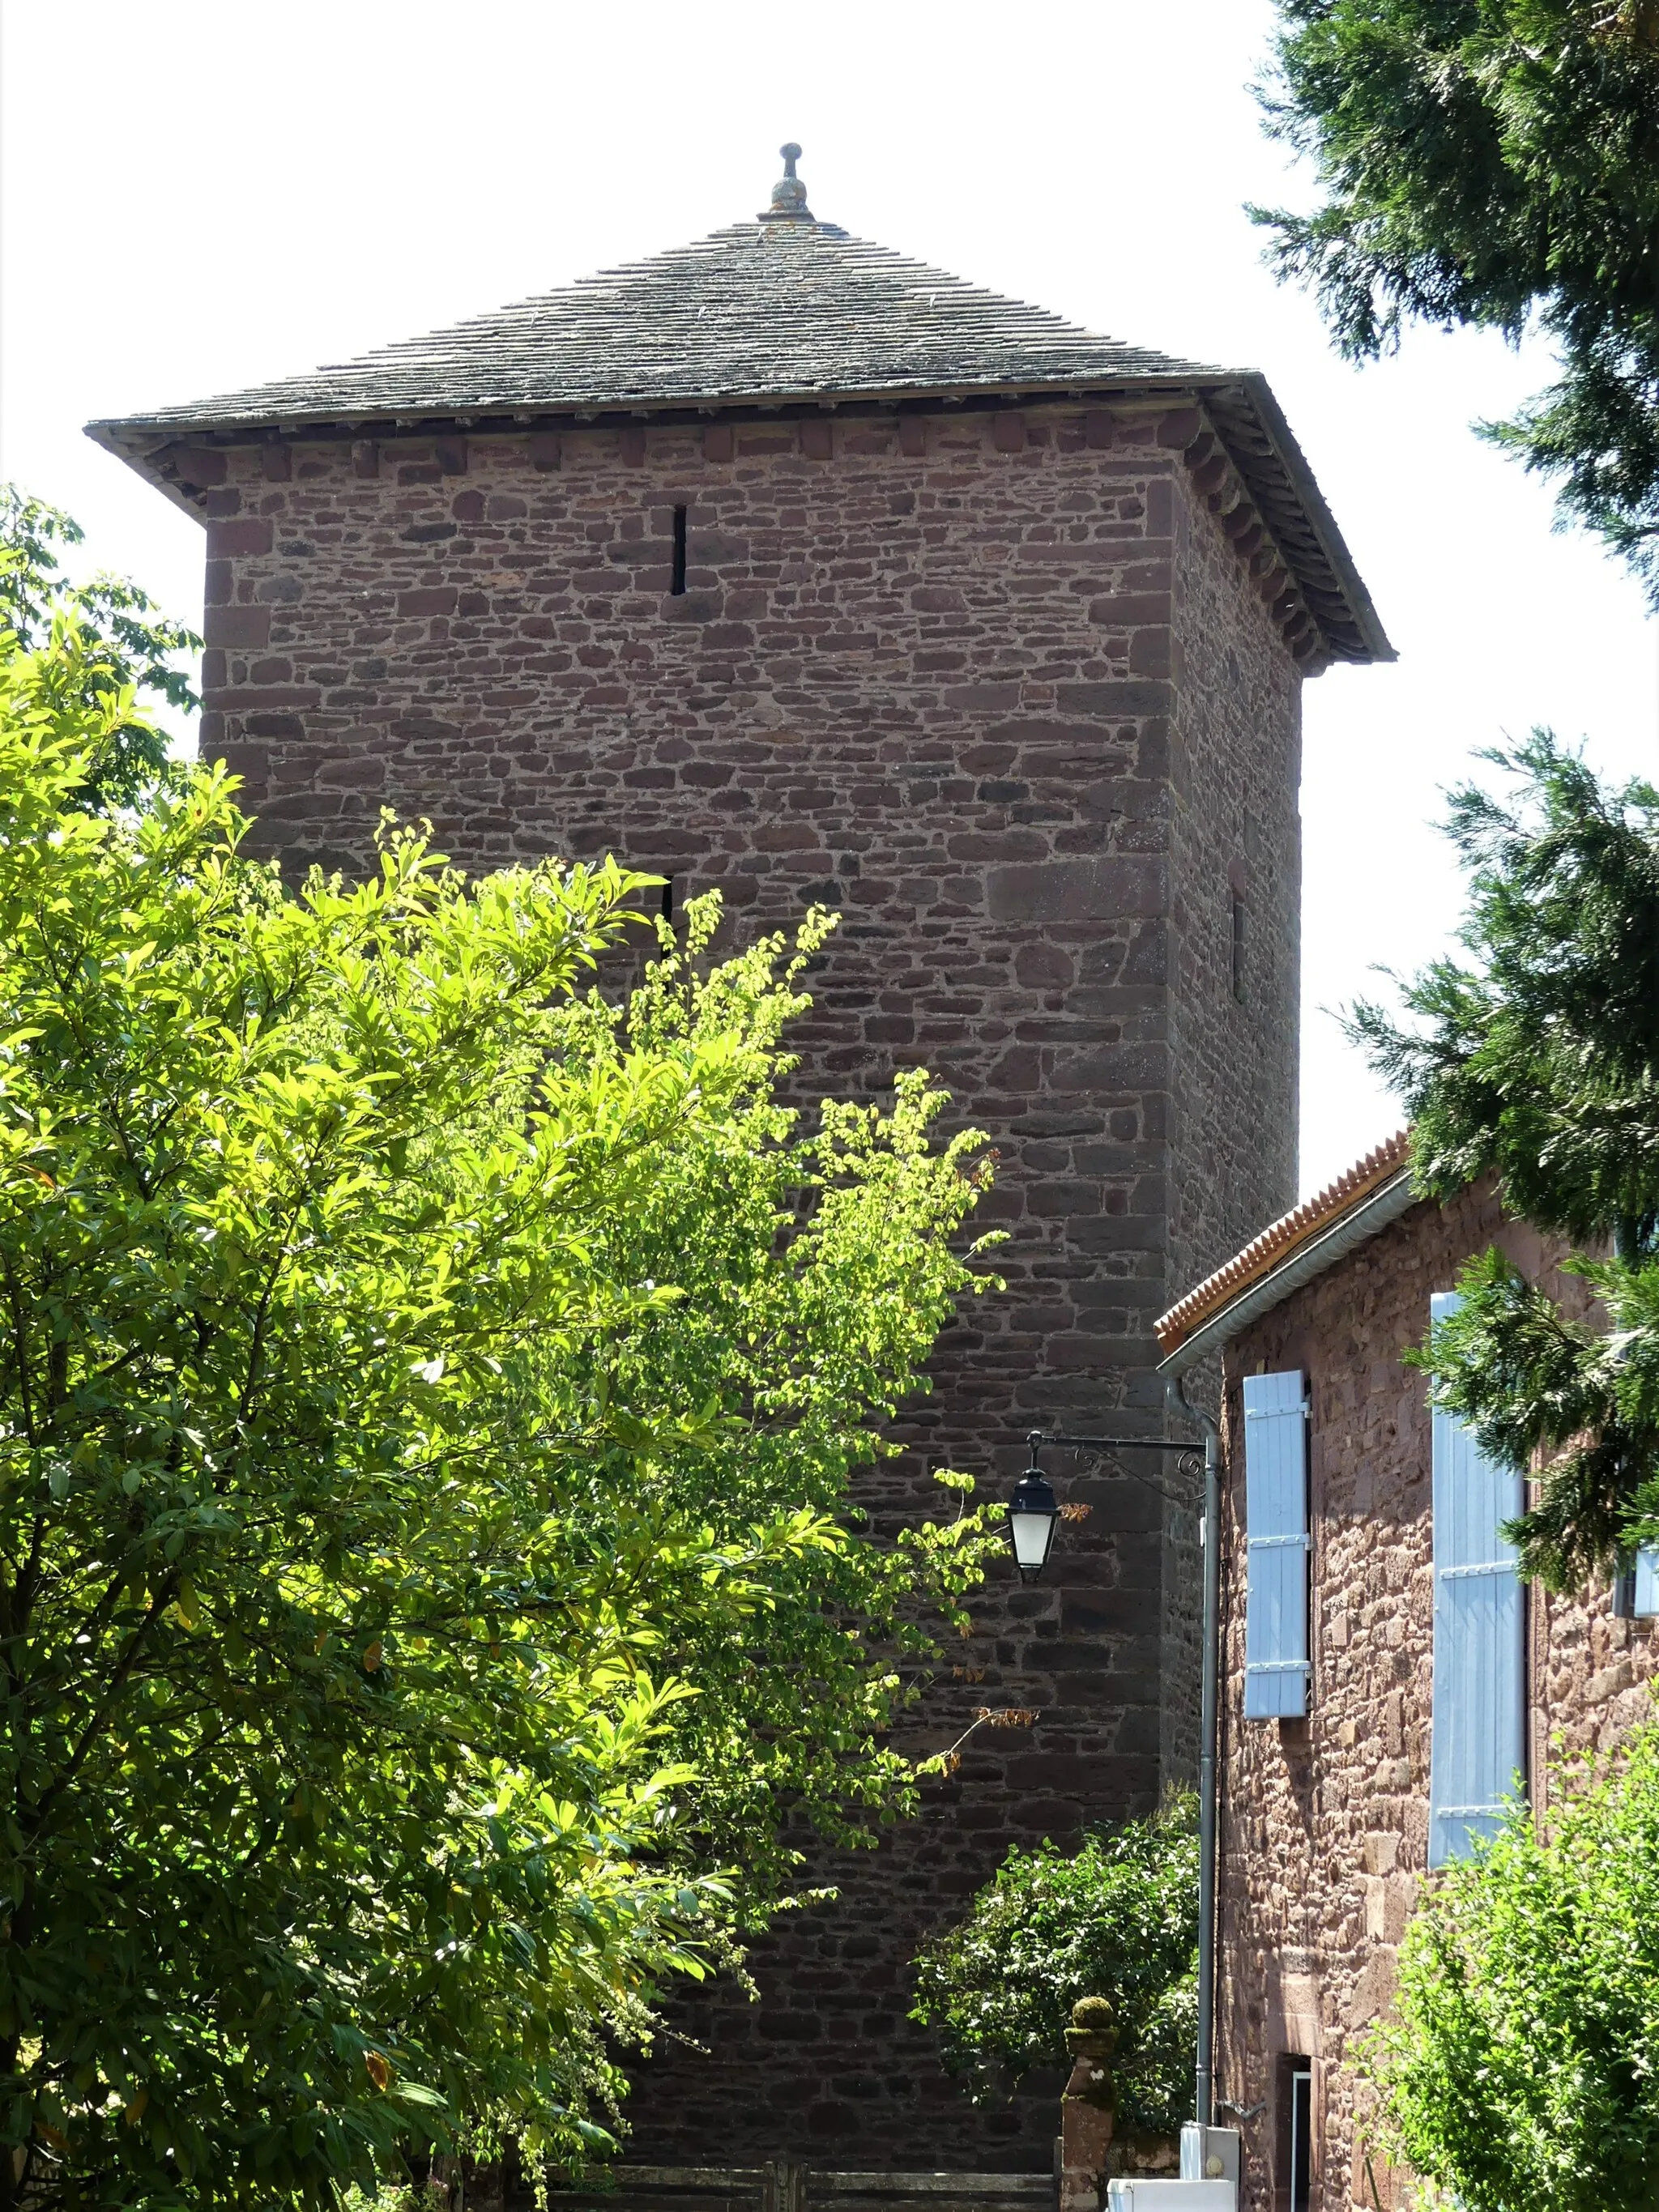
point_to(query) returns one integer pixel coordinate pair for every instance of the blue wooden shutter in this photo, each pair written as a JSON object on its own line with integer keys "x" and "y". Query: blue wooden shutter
{"x": 1276, "y": 1546}
{"x": 1647, "y": 1583}
{"x": 1479, "y": 1659}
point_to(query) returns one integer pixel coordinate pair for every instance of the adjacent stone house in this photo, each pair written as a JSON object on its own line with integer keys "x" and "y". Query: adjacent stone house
{"x": 1385, "y": 1674}
{"x": 781, "y": 564}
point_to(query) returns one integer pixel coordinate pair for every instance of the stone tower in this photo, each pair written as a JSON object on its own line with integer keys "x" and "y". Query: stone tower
{"x": 783, "y": 564}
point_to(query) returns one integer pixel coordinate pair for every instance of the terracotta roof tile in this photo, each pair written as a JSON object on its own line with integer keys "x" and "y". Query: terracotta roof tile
{"x": 1277, "y": 1242}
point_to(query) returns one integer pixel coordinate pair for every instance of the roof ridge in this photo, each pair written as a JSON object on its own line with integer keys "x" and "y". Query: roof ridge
{"x": 1281, "y": 1238}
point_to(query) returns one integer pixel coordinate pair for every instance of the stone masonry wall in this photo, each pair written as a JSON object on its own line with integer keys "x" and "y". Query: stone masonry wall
{"x": 999, "y": 686}
{"x": 1325, "y": 1822}
{"x": 1235, "y": 848}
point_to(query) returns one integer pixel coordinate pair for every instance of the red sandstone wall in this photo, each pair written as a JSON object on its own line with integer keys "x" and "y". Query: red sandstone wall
{"x": 1234, "y": 832}
{"x": 993, "y": 684}
{"x": 1325, "y": 1822}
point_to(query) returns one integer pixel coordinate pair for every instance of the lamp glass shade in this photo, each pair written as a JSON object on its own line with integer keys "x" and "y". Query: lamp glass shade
{"x": 1032, "y": 1517}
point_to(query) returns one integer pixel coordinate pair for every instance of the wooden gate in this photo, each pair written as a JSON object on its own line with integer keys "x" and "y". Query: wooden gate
{"x": 786, "y": 2185}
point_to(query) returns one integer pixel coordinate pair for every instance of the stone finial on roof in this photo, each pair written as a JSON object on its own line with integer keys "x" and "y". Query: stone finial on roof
{"x": 788, "y": 194}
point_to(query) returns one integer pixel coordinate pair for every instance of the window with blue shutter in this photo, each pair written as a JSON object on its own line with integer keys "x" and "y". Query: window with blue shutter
{"x": 1636, "y": 1585}
{"x": 1276, "y": 1546}
{"x": 1477, "y": 1741}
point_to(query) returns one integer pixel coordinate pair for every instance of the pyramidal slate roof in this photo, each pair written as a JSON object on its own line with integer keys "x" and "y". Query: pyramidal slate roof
{"x": 784, "y": 310}
{"x": 762, "y": 311}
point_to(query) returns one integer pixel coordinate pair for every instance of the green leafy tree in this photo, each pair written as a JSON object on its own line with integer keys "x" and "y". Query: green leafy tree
{"x": 427, "y": 1398}
{"x": 108, "y": 639}
{"x": 1519, "y": 2066}
{"x": 1116, "y": 1917}
{"x": 1494, "y": 162}
{"x": 1537, "y": 1061}
{"x": 790, "y": 1715}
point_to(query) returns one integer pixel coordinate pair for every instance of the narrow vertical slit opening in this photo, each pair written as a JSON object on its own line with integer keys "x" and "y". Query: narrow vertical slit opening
{"x": 677, "y": 583}
{"x": 1301, "y": 2146}
{"x": 668, "y": 901}
{"x": 1238, "y": 948}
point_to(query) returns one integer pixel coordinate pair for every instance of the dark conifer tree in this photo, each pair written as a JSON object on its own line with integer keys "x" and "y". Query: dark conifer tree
{"x": 1494, "y": 162}
{"x": 1537, "y": 1060}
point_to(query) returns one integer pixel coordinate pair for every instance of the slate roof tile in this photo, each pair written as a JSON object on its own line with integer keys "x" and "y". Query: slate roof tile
{"x": 760, "y": 311}
{"x": 782, "y": 310}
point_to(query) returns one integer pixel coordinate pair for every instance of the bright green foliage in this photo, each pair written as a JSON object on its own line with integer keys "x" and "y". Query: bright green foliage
{"x": 1116, "y": 1917}
{"x": 107, "y": 637}
{"x": 427, "y": 1399}
{"x": 1521, "y": 2065}
{"x": 789, "y": 1713}
{"x": 1538, "y": 1062}
{"x": 1494, "y": 162}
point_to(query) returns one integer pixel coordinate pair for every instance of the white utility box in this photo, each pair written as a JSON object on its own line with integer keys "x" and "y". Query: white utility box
{"x": 1209, "y": 2153}
{"x": 1208, "y": 2183}
{"x": 1126, "y": 2196}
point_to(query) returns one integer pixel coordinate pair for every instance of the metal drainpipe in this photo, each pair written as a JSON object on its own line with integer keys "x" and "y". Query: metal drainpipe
{"x": 1176, "y": 1396}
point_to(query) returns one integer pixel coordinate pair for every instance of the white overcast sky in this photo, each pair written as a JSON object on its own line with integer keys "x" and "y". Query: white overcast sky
{"x": 200, "y": 194}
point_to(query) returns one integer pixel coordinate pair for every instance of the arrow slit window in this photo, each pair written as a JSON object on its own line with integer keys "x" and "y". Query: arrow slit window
{"x": 676, "y": 582}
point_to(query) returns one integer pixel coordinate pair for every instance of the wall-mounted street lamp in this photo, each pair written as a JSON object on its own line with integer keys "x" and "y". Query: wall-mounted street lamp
{"x": 1033, "y": 1512}
{"x": 1032, "y": 1518}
